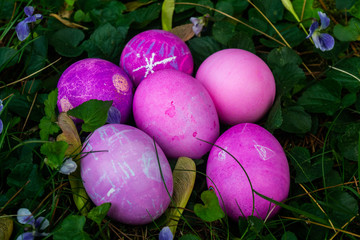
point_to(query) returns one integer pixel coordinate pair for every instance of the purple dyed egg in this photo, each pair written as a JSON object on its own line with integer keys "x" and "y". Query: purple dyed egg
{"x": 153, "y": 50}
{"x": 263, "y": 159}
{"x": 177, "y": 111}
{"x": 123, "y": 169}
{"x": 99, "y": 79}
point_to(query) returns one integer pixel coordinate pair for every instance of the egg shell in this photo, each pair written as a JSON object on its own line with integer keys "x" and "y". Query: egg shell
{"x": 176, "y": 109}
{"x": 240, "y": 83}
{"x": 94, "y": 78}
{"x": 122, "y": 168}
{"x": 263, "y": 159}
{"x": 153, "y": 50}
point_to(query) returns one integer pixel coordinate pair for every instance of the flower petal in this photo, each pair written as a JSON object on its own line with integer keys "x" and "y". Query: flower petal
{"x": 195, "y": 20}
{"x": 1, "y": 126}
{"x": 22, "y": 30}
{"x": 24, "y": 216}
{"x": 41, "y": 223}
{"x": 25, "y": 236}
{"x": 69, "y": 166}
{"x": 30, "y": 19}
{"x": 29, "y": 10}
{"x": 114, "y": 115}
{"x": 38, "y": 16}
{"x": 325, "y": 21}
{"x": 1, "y": 105}
{"x": 166, "y": 234}
{"x": 326, "y": 42}
{"x": 314, "y": 26}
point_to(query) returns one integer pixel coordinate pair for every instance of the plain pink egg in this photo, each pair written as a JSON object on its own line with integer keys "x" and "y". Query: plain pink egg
{"x": 121, "y": 167}
{"x": 153, "y": 50}
{"x": 94, "y": 78}
{"x": 176, "y": 109}
{"x": 240, "y": 83}
{"x": 263, "y": 159}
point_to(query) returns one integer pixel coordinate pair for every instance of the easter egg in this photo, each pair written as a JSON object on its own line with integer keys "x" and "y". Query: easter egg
{"x": 240, "y": 83}
{"x": 99, "y": 79}
{"x": 263, "y": 162}
{"x": 121, "y": 166}
{"x": 177, "y": 111}
{"x": 153, "y": 50}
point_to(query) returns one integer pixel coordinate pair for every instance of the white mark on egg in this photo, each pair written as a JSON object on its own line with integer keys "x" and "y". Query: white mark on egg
{"x": 265, "y": 153}
{"x": 150, "y": 64}
{"x": 222, "y": 155}
{"x": 130, "y": 170}
{"x": 111, "y": 191}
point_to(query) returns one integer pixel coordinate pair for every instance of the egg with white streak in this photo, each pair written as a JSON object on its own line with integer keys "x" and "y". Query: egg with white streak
{"x": 248, "y": 156}
{"x": 121, "y": 166}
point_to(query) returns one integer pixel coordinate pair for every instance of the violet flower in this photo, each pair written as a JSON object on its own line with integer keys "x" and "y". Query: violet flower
{"x": 323, "y": 41}
{"x": 199, "y": 23}
{"x": 23, "y": 29}
{"x": 68, "y": 167}
{"x": 166, "y": 234}
{"x": 24, "y": 216}
{"x": 114, "y": 115}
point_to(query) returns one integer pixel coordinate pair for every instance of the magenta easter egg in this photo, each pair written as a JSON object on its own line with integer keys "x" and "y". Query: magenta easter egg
{"x": 176, "y": 109}
{"x": 153, "y": 50}
{"x": 99, "y": 79}
{"x": 265, "y": 163}
{"x": 240, "y": 83}
{"x": 121, "y": 167}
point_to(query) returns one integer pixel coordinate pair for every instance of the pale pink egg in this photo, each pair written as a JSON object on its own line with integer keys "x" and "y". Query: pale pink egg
{"x": 177, "y": 111}
{"x": 265, "y": 163}
{"x": 240, "y": 83}
{"x": 154, "y": 50}
{"x": 121, "y": 166}
{"x": 94, "y": 78}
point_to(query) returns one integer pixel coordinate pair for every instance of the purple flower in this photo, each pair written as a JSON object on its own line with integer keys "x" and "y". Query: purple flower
{"x": 323, "y": 41}
{"x": 199, "y": 23}
{"x": 166, "y": 234}
{"x": 69, "y": 166}
{"x": 22, "y": 29}
{"x": 24, "y": 216}
{"x": 114, "y": 115}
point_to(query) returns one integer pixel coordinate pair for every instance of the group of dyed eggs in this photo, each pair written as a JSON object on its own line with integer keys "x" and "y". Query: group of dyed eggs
{"x": 181, "y": 114}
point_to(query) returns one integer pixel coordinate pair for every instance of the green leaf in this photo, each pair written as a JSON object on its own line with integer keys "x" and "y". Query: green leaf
{"x": 204, "y": 10}
{"x": 8, "y": 57}
{"x": 289, "y": 236}
{"x": 80, "y": 16}
{"x": 224, "y": 6}
{"x": 71, "y": 228}
{"x": 347, "y": 74}
{"x": 47, "y": 127}
{"x": 19, "y": 175}
{"x": 355, "y": 9}
{"x": 92, "y": 112}
{"x": 38, "y": 57}
{"x": 97, "y": 214}
{"x": 203, "y": 47}
{"x": 256, "y": 224}
{"x": 66, "y": 42}
{"x": 111, "y": 12}
{"x": 55, "y": 153}
{"x": 308, "y": 169}
{"x": 348, "y": 100}
{"x": 167, "y": 12}
{"x": 275, "y": 118}
{"x": 344, "y": 4}
{"x": 242, "y": 40}
{"x": 211, "y": 210}
{"x": 322, "y": 97}
{"x": 223, "y": 31}
{"x": 50, "y": 105}
{"x": 308, "y": 11}
{"x": 105, "y": 42}
{"x": 273, "y": 9}
{"x": 286, "y": 77}
{"x": 145, "y": 15}
{"x": 295, "y": 120}
{"x": 348, "y": 33}
{"x": 282, "y": 56}
{"x": 343, "y": 206}
{"x": 348, "y": 142}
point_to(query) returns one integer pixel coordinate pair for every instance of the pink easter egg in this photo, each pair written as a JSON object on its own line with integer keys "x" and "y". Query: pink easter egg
{"x": 265, "y": 163}
{"x": 99, "y": 79}
{"x": 122, "y": 167}
{"x": 153, "y": 50}
{"x": 240, "y": 83}
{"x": 177, "y": 111}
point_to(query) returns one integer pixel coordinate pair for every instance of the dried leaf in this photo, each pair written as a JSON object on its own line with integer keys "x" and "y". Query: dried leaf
{"x": 67, "y": 22}
{"x": 132, "y": 6}
{"x": 185, "y": 32}
{"x": 184, "y": 179}
{"x": 6, "y": 227}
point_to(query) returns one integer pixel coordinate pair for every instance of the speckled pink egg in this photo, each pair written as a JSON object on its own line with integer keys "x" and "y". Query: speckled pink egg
{"x": 240, "y": 83}
{"x": 94, "y": 78}
{"x": 153, "y": 50}
{"x": 176, "y": 110}
{"x": 263, "y": 159}
{"x": 122, "y": 168}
